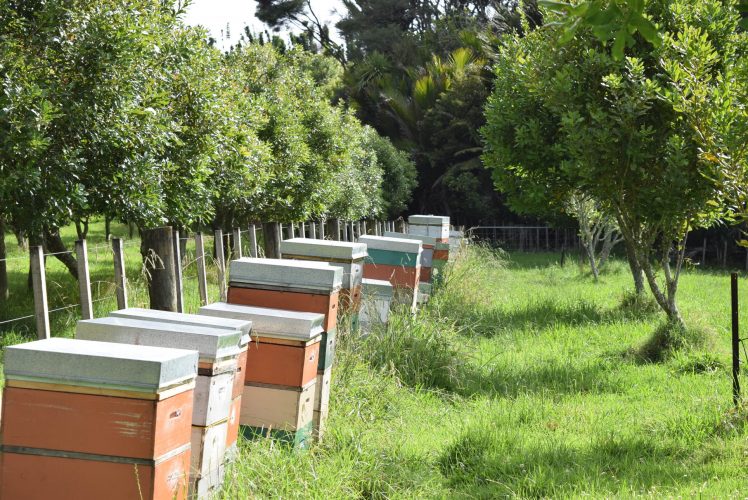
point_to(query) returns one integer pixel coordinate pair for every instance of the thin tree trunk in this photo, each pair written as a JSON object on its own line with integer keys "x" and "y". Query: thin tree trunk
{"x": 3, "y": 264}
{"x": 107, "y": 228}
{"x": 636, "y": 268}
{"x": 54, "y": 244}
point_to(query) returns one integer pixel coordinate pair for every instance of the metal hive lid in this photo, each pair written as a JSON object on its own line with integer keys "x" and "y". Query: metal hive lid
{"x": 270, "y": 322}
{"x": 426, "y": 240}
{"x": 323, "y": 248}
{"x": 428, "y": 220}
{"x": 301, "y": 274}
{"x": 392, "y": 244}
{"x": 100, "y": 364}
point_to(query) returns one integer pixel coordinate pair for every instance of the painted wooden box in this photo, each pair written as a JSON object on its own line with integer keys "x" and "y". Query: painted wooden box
{"x": 395, "y": 260}
{"x": 428, "y": 243}
{"x": 321, "y": 402}
{"x": 283, "y": 412}
{"x": 348, "y": 255}
{"x": 375, "y": 308}
{"x": 89, "y": 420}
{"x": 430, "y": 225}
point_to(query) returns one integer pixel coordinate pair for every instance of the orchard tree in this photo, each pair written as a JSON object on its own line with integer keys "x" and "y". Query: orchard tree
{"x": 570, "y": 114}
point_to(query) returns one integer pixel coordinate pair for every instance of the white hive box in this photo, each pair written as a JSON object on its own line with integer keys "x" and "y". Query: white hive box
{"x": 344, "y": 254}
{"x": 404, "y": 245}
{"x": 377, "y": 296}
{"x": 429, "y": 225}
{"x": 100, "y": 364}
{"x": 286, "y": 274}
{"x": 428, "y": 242}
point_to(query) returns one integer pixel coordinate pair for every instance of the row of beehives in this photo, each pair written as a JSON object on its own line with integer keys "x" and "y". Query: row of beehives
{"x": 150, "y": 404}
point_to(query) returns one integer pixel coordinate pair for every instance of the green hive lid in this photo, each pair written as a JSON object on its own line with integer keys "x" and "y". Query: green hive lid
{"x": 426, "y": 240}
{"x": 187, "y": 319}
{"x": 286, "y": 273}
{"x": 212, "y": 343}
{"x": 393, "y": 244}
{"x": 100, "y": 364}
{"x": 428, "y": 220}
{"x": 309, "y": 247}
{"x": 376, "y": 287}
{"x": 270, "y": 322}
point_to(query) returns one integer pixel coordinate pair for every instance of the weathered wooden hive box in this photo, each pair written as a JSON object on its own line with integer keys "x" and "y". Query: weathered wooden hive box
{"x": 435, "y": 226}
{"x": 245, "y": 327}
{"x": 281, "y": 384}
{"x": 92, "y": 420}
{"x": 219, "y": 350}
{"x": 398, "y": 261}
{"x": 350, "y": 256}
{"x": 376, "y": 299}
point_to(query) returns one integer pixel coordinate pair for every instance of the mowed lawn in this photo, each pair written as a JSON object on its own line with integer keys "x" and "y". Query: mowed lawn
{"x": 519, "y": 379}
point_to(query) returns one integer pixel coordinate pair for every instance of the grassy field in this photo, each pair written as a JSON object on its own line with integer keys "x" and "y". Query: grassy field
{"x": 519, "y": 379}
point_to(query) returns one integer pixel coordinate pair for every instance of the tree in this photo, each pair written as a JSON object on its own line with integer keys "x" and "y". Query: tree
{"x": 618, "y": 130}
{"x": 597, "y": 230}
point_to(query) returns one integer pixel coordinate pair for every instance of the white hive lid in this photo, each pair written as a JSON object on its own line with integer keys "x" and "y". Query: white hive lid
{"x": 270, "y": 322}
{"x": 100, "y": 364}
{"x": 426, "y": 240}
{"x": 392, "y": 244}
{"x": 186, "y": 319}
{"x": 428, "y": 220}
{"x": 309, "y": 247}
{"x": 303, "y": 274}
{"x": 378, "y": 287}
{"x": 212, "y": 343}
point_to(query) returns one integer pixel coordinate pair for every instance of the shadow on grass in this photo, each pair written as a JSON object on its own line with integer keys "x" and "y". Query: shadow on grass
{"x": 488, "y": 463}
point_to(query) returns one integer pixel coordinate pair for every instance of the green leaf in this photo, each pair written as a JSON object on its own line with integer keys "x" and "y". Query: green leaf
{"x": 620, "y": 44}
{"x": 556, "y": 6}
{"x": 647, "y": 29}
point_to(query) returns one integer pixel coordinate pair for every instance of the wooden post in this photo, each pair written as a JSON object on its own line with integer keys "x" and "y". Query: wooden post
{"x": 362, "y": 228}
{"x": 735, "y": 339}
{"x": 272, "y": 237}
{"x": 84, "y": 279}
{"x": 221, "y": 262}
{"x": 120, "y": 278}
{"x": 3, "y": 264}
{"x": 157, "y": 249}
{"x": 313, "y": 230}
{"x": 302, "y": 230}
{"x": 178, "y": 285}
{"x": 252, "y": 241}
{"x": 291, "y": 231}
{"x": 322, "y": 230}
{"x": 39, "y": 281}
{"x": 336, "y": 229}
{"x": 202, "y": 278}
{"x": 724, "y": 255}
{"x": 547, "y": 240}
{"x": 236, "y": 244}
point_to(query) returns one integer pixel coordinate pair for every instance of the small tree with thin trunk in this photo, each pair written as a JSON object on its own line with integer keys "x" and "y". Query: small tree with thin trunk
{"x": 598, "y": 231}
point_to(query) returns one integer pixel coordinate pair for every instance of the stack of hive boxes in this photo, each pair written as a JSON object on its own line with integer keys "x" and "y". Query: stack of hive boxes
{"x": 219, "y": 350}
{"x": 293, "y": 285}
{"x": 397, "y": 261}
{"x": 349, "y": 256}
{"x": 92, "y": 420}
{"x": 456, "y": 241}
{"x": 375, "y": 303}
{"x": 436, "y": 227}
{"x": 428, "y": 243}
{"x": 281, "y": 383}
{"x": 244, "y": 327}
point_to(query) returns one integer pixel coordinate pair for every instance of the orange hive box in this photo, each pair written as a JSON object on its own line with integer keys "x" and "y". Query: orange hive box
{"x": 219, "y": 343}
{"x": 398, "y": 261}
{"x": 90, "y": 420}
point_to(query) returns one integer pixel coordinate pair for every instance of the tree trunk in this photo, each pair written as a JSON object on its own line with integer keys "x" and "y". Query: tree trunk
{"x": 271, "y": 237}
{"x": 636, "y": 268}
{"x": 3, "y": 264}
{"x": 107, "y": 228}
{"x": 54, "y": 244}
{"x": 157, "y": 249}
{"x": 23, "y": 242}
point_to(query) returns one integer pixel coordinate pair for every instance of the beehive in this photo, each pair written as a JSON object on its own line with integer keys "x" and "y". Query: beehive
{"x": 395, "y": 260}
{"x": 349, "y": 256}
{"x": 219, "y": 350}
{"x": 376, "y": 298}
{"x": 91, "y": 420}
{"x": 283, "y": 365}
{"x": 428, "y": 243}
{"x": 430, "y": 225}
{"x": 212, "y": 322}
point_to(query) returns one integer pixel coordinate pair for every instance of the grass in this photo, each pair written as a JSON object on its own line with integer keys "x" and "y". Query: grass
{"x": 521, "y": 379}
{"x": 517, "y": 380}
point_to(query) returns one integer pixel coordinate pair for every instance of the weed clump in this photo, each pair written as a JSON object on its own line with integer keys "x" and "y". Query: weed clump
{"x": 670, "y": 338}
{"x": 638, "y": 305}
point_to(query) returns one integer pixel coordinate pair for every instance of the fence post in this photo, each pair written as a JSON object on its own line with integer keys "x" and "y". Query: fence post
{"x": 322, "y": 230}
{"x": 735, "y": 339}
{"x": 336, "y": 229}
{"x": 84, "y": 279}
{"x": 221, "y": 261}
{"x": 291, "y": 231}
{"x": 178, "y": 270}
{"x": 362, "y": 229}
{"x": 302, "y": 229}
{"x": 313, "y": 230}
{"x": 39, "y": 281}
{"x": 120, "y": 278}
{"x": 253, "y": 241}
{"x": 237, "y": 244}
{"x": 202, "y": 279}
